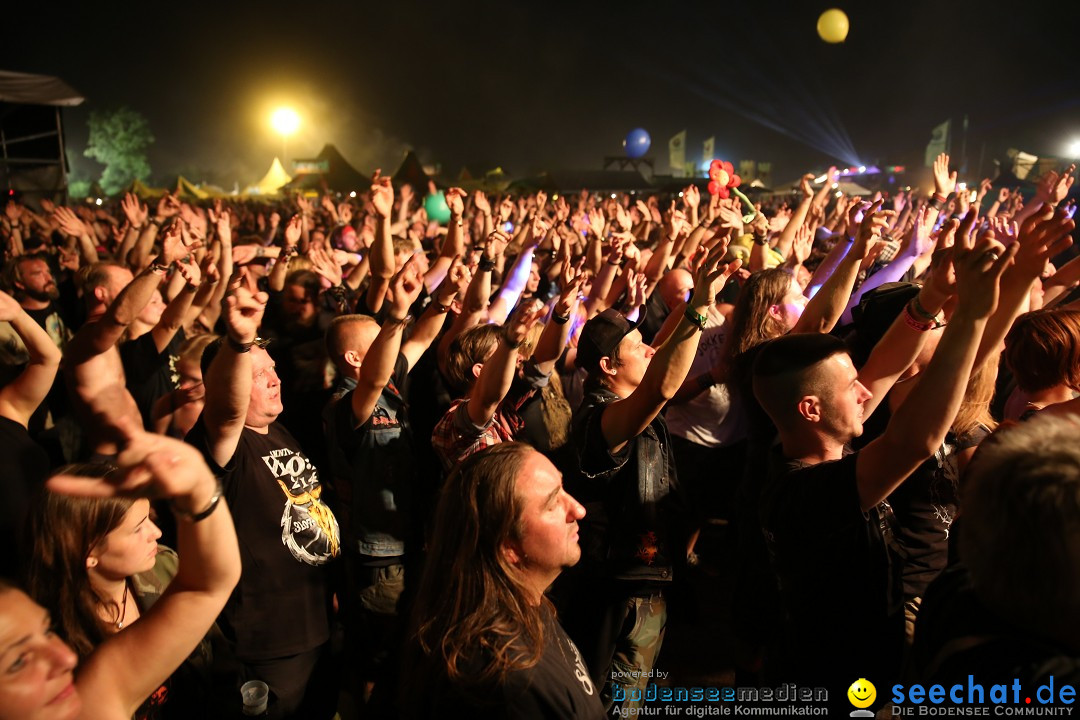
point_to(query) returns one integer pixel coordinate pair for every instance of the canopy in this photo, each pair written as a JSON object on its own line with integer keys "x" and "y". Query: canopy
{"x": 412, "y": 172}
{"x": 27, "y": 89}
{"x": 274, "y": 179}
{"x": 328, "y": 170}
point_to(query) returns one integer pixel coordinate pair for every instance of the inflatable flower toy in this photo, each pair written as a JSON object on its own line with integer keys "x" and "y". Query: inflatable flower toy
{"x": 723, "y": 181}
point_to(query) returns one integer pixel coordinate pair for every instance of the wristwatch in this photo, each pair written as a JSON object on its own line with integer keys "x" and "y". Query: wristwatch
{"x": 698, "y": 321}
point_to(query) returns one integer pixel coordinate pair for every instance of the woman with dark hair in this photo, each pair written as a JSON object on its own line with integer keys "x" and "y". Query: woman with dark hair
{"x": 485, "y": 640}
{"x": 97, "y": 568}
{"x": 37, "y": 669}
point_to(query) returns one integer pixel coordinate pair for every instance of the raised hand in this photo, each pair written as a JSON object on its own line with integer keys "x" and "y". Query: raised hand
{"x": 243, "y": 307}
{"x": 691, "y": 196}
{"x": 293, "y": 230}
{"x": 1003, "y": 195}
{"x": 569, "y": 287}
{"x": 874, "y": 221}
{"x": 541, "y": 201}
{"x": 135, "y": 212}
{"x": 802, "y": 244}
{"x": 382, "y": 194}
{"x": 944, "y": 181}
{"x": 496, "y": 243}
{"x": 711, "y": 276}
{"x": 524, "y": 317}
{"x": 324, "y": 265}
{"x": 597, "y": 222}
{"x": 190, "y": 272}
{"x": 506, "y": 209}
{"x": 405, "y": 287}
{"x": 150, "y": 465}
{"x": 455, "y": 283}
{"x": 173, "y": 246}
{"x": 69, "y": 223}
{"x": 978, "y": 265}
{"x": 805, "y": 187}
{"x": 675, "y": 222}
{"x": 168, "y": 206}
{"x": 480, "y": 202}
{"x": 455, "y": 200}
{"x": 1053, "y": 188}
{"x": 1041, "y": 237}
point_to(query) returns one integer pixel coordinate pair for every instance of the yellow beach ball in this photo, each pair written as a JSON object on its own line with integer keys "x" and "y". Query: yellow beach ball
{"x": 832, "y": 26}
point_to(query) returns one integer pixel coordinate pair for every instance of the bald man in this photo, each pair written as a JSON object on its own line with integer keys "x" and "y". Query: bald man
{"x": 373, "y": 464}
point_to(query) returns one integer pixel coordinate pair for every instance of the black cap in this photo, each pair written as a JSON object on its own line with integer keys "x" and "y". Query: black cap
{"x": 601, "y": 335}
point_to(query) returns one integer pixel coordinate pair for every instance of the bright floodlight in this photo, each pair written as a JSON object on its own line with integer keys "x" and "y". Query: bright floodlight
{"x": 1074, "y": 149}
{"x": 285, "y": 121}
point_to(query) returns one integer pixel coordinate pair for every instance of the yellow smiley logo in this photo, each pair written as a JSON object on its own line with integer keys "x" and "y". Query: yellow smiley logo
{"x": 862, "y": 693}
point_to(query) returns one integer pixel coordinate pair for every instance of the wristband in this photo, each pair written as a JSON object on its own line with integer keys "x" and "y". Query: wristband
{"x": 202, "y": 515}
{"x": 442, "y": 308}
{"x": 239, "y": 347}
{"x": 559, "y": 319}
{"x": 159, "y": 268}
{"x": 761, "y": 240}
{"x": 485, "y": 265}
{"x": 920, "y": 311}
{"x": 913, "y": 322}
{"x": 698, "y": 321}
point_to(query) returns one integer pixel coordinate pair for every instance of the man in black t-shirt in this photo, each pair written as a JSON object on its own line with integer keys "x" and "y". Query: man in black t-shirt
{"x": 279, "y": 615}
{"x": 486, "y": 642}
{"x": 822, "y": 510}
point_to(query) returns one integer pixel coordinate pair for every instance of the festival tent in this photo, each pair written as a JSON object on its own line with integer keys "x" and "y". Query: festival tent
{"x": 493, "y": 181}
{"x": 566, "y": 181}
{"x": 32, "y": 155}
{"x": 411, "y": 171}
{"x": 274, "y": 179}
{"x": 327, "y": 171}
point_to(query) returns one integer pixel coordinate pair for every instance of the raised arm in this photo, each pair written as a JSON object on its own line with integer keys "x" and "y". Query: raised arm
{"x": 229, "y": 378}
{"x": 431, "y": 322}
{"x": 557, "y": 331}
{"x": 518, "y": 275}
{"x": 381, "y": 357}
{"x": 498, "y": 371}
{"x": 453, "y": 244}
{"x": 918, "y": 427}
{"x": 381, "y": 254}
{"x": 124, "y": 670}
{"x": 826, "y": 307}
{"x": 627, "y": 418}
{"x": 21, "y": 397}
{"x": 96, "y": 337}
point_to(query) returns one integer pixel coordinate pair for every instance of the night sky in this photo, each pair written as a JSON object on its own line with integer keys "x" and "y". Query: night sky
{"x": 535, "y": 86}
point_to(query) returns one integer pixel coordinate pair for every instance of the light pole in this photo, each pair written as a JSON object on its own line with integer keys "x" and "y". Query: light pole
{"x": 285, "y": 121}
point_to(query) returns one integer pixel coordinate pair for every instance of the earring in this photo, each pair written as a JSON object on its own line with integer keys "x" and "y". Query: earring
{"x": 92, "y": 562}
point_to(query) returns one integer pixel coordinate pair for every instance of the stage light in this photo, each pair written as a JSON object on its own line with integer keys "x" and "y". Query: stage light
{"x": 352, "y": 194}
{"x": 1074, "y": 149}
{"x": 285, "y": 121}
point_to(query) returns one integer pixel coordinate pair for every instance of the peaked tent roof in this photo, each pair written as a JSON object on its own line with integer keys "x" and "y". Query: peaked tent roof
{"x": 339, "y": 176}
{"x": 27, "y": 89}
{"x": 411, "y": 171}
{"x": 274, "y": 179}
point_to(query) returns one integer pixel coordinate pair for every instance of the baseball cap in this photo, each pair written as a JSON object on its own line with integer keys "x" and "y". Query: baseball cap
{"x": 602, "y": 334}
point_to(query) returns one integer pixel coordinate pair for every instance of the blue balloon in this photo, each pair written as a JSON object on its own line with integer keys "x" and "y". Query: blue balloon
{"x": 637, "y": 143}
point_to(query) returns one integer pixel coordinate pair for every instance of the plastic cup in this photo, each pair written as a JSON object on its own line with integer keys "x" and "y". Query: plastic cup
{"x": 255, "y": 693}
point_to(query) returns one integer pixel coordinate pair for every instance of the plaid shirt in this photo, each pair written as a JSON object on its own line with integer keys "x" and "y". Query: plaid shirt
{"x": 456, "y": 436}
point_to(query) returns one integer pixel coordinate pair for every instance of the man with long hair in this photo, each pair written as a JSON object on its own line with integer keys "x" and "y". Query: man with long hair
{"x": 485, "y": 639}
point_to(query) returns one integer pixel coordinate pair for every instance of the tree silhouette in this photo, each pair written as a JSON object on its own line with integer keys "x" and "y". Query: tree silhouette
{"x": 118, "y": 140}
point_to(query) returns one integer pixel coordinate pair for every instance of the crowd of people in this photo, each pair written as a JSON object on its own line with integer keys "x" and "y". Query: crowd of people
{"x": 393, "y": 468}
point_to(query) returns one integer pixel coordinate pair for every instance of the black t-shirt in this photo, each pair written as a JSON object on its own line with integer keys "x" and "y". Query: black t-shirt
{"x": 839, "y": 578}
{"x": 150, "y": 374}
{"x": 287, "y": 534}
{"x": 27, "y": 466}
{"x": 556, "y": 688}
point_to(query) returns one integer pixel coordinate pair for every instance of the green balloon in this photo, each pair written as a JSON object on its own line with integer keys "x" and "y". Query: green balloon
{"x": 436, "y": 208}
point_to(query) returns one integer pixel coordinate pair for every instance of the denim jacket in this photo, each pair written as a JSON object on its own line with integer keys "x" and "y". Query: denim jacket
{"x": 638, "y": 518}
{"x": 374, "y": 469}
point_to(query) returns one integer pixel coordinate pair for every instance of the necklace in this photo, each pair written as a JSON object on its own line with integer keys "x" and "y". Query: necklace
{"x": 123, "y": 609}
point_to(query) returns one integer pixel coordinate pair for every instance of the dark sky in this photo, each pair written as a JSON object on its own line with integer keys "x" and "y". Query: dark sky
{"x": 533, "y": 86}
